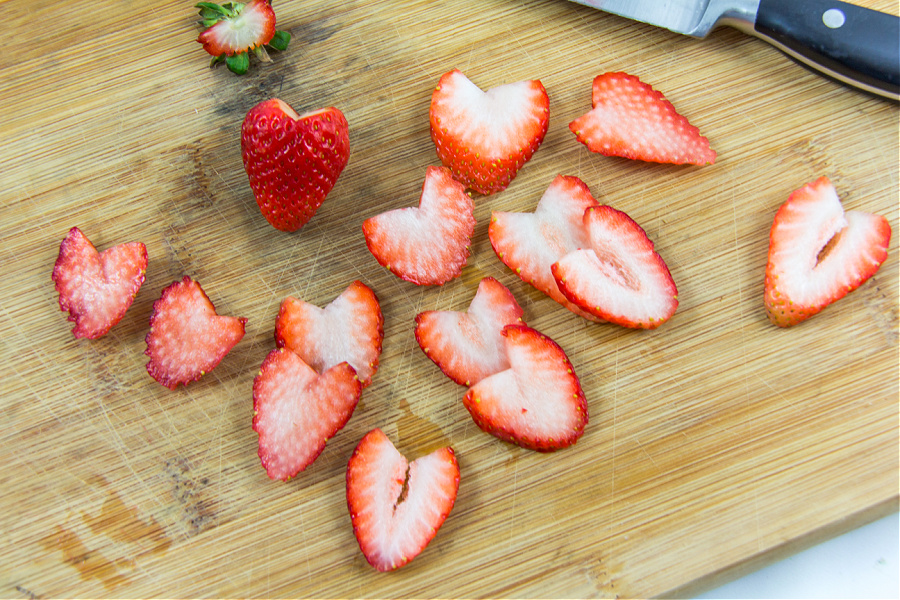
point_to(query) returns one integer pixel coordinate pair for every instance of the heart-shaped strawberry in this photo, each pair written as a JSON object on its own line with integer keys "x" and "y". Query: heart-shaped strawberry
{"x": 350, "y": 329}
{"x": 426, "y": 244}
{"x": 296, "y": 410}
{"x": 468, "y": 346}
{"x": 291, "y": 160}
{"x": 538, "y": 402}
{"x": 486, "y": 137}
{"x": 97, "y": 288}
{"x": 529, "y": 243}
{"x": 396, "y": 506}
{"x": 187, "y": 339}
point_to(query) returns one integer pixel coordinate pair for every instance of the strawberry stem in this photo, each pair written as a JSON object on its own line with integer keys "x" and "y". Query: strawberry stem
{"x": 238, "y": 63}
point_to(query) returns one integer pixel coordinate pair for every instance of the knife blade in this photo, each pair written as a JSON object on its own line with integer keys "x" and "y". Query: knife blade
{"x": 857, "y": 46}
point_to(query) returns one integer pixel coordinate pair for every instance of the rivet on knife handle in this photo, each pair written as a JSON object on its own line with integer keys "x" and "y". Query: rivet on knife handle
{"x": 855, "y": 45}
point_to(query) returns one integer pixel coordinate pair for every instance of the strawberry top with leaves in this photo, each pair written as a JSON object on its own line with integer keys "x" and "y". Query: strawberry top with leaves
{"x": 631, "y": 119}
{"x": 486, "y": 137}
{"x": 233, "y": 29}
{"x": 818, "y": 253}
{"x": 97, "y": 288}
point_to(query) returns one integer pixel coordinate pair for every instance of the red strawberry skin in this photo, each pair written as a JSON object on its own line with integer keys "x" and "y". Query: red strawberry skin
{"x": 537, "y": 403}
{"x": 296, "y": 410}
{"x": 620, "y": 278}
{"x": 255, "y": 26}
{"x": 468, "y": 346}
{"x": 97, "y": 288}
{"x": 187, "y": 339}
{"x": 293, "y": 161}
{"x": 428, "y": 244}
{"x": 632, "y": 120}
{"x": 350, "y": 329}
{"x": 486, "y": 137}
{"x": 818, "y": 253}
{"x": 529, "y": 243}
{"x": 396, "y": 507}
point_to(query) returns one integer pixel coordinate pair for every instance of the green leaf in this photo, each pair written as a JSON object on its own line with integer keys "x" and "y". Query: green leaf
{"x": 238, "y": 63}
{"x": 280, "y": 40}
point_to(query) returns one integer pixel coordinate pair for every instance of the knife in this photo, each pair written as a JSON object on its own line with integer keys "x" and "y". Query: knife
{"x": 857, "y": 46}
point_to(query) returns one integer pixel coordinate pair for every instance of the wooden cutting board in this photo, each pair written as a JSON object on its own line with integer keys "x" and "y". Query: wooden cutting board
{"x": 716, "y": 443}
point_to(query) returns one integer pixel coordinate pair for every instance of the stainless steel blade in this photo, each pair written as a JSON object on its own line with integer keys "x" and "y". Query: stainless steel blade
{"x": 689, "y": 17}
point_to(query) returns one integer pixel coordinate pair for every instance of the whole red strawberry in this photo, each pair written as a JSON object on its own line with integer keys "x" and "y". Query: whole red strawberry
{"x": 293, "y": 160}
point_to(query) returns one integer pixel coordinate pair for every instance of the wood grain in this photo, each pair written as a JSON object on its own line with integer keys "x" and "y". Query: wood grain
{"x": 715, "y": 443}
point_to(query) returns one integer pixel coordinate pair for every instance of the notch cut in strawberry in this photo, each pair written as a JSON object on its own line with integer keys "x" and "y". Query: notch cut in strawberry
{"x": 818, "y": 253}
{"x": 293, "y": 161}
{"x": 296, "y": 410}
{"x": 233, "y": 30}
{"x": 632, "y": 120}
{"x": 468, "y": 346}
{"x": 529, "y": 243}
{"x": 97, "y": 288}
{"x": 538, "y": 402}
{"x": 349, "y": 329}
{"x": 619, "y": 278}
{"x": 486, "y": 137}
{"x": 187, "y": 339}
{"x": 428, "y": 244}
{"x": 397, "y": 506}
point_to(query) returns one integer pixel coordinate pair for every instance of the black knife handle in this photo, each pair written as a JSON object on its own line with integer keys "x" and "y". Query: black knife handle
{"x": 855, "y": 45}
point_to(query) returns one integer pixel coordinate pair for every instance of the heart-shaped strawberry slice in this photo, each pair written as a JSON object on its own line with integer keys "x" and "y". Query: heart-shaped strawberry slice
{"x": 187, "y": 339}
{"x": 426, "y": 244}
{"x": 538, "y": 402}
{"x": 396, "y": 506}
{"x": 97, "y": 288}
{"x": 291, "y": 160}
{"x": 296, "y": 410}
{"x": 468, "y": 346}
{"x": 350, "y": 329}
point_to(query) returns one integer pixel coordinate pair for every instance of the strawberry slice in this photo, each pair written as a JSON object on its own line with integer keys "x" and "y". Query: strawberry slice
{"x": 631, "y": 119}
{"x": 428, "y": 244}
{"x": 396, "y": 506}
{"x": 293, "y": 161}
{"x": 350, "y": 329}
{"x": 620, "y": 278}
{"x": 538, "y": 402}
{"x": 296, "y": 410}
{"x": 97, "y": 288}
{"x": 529, "y": 243}
{"x": 233, "y": 29}
{"x": 187, "y": 339}
{"x": 468, "y": 346}
{"x": 818, "y": 253}
{"x": 486, "y": 137}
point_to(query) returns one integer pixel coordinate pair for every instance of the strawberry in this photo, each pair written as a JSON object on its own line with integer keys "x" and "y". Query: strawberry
{"x": 528, "y": 243}
{"x": 818, "y": 253}
{"x": 468, "y": 346}
{"x": 631, "y": 119}
{"x": 396, "y": 506}
{"x": 350, "y": 329}
{"x": 486, "y": 137}
{"x": 234, "y": 29}
{"x": 538, "y": 402}
{"x": 291, "y": 160}
{"x": 97, "y": 288}
{"x": 296, "y": 410}
{"x": 187, "y": 339}
{"x": 428, "y": 244}
{"x": 620, "y": 278}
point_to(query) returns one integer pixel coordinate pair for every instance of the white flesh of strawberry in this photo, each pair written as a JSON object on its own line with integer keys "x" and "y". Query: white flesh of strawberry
{"x": 487, "y": 119}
